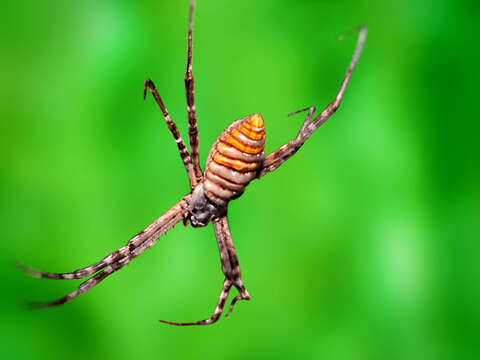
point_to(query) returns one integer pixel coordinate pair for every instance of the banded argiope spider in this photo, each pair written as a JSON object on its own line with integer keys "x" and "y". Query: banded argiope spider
{"x": 236, "y": 158}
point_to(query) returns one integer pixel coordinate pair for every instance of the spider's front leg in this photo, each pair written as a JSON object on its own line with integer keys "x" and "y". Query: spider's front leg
{"x": 230, "y": 268}
{"x": 118, "y": 259}
{"x": 229, "y": 260}
{"x": 278, "y": 157}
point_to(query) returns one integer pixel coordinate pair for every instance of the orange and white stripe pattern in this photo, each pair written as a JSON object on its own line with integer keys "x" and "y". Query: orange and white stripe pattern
{"x": 234, "y": 160}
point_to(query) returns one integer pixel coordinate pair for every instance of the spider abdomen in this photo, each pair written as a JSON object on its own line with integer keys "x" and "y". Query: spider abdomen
{"x": 234, "y": 160}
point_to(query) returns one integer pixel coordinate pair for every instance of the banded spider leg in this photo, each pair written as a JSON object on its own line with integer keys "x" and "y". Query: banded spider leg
{"x": 190, "y": 95}
{"x": 184, "y": 154}
{"x": 190, "y": 160}
{"x": 231, "y": 270}
{"x": 119, "y": 258}
{"x": 278, "y": 157}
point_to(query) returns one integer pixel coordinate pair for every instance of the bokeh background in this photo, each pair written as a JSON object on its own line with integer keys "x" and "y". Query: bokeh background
{"x": 362, "y": 246}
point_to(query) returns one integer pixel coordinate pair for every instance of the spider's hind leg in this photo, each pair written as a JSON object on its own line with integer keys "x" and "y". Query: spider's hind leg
{"x": 278, "y": 157}
{"x": 311, "y": 111}
{"x": 190, "y": 95}
{"x": 184, "y": 154}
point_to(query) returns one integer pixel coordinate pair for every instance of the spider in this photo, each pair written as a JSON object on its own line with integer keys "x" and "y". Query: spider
{"x": 235, "y": 159}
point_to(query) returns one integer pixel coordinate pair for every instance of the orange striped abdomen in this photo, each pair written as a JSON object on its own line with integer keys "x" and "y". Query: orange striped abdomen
{"x": 234, "y": 159}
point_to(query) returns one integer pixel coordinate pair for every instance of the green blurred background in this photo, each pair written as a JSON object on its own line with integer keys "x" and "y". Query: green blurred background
{"x": 362, "y": 246}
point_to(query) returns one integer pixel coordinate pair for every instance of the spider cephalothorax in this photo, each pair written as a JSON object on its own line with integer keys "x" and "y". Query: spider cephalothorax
{"x": 236, "y": 158}
{"x": 201, "y": 211}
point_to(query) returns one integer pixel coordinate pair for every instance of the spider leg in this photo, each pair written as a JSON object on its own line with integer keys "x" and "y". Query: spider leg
{"x": 163, "y": 223}
{"x": 83, "y": 287}
{"x": 190, "y": 95}
{"x": 136, "y": 246}
{"x": 230, "y": 268}
{"x": 311, "y": 111}
{"x": 227, "y": 285}
{"x": 79, "y": 273}
{"x": 244, "y": 295}
{"x": 229, "y": 259}
{"x": 278, "y": 157}
{"x": 184, "y": 154}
